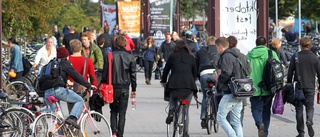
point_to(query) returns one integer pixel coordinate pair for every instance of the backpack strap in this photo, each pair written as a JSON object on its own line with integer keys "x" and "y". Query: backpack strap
{"x": 269, "y": 54}
{"x": 297, "y": 66}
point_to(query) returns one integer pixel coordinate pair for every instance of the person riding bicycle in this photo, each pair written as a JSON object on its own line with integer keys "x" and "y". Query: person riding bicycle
{"x": 207, "y": 60}
{"x": 181, "y": 82}
{"x": 64, "y": 94}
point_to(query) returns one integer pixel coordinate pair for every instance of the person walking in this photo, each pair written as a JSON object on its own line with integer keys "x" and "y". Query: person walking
{"x": 71, "y": 35}
{"x": 309, "y": 67}
{"x": 262, "y": 99}
{"x": 230, "y": 66}
{"x": 181, "y": 83}
{"x": 123, "y": 75}
{"x": 149, "y": 57}
{"x": 166, "y": 48}
{"x": 15, "y": 64}
{"x": 45, "y": 54}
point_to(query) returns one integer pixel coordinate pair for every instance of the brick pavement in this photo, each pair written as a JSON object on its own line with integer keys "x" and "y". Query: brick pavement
{"x": 148, "y": 120}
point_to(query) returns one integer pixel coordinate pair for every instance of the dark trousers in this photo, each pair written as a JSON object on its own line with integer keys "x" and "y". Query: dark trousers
{"x": 118, "y": 111}
{"x": 260, "y": 109}
{"x": 309, "y": 94}
{"x": 148, "y": 69}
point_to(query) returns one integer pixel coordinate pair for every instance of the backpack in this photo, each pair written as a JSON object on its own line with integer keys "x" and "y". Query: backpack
{"x": 272, "y": 78}
{"x": 26, "y": 66}
{"x": 50, "y": 76}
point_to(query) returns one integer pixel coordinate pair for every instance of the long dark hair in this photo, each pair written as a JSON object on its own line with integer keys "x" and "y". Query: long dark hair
{"x": 12, "y": 40}
{"x": 181, "y": 45}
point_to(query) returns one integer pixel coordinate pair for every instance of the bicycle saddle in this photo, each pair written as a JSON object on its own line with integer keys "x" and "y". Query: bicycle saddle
{"x": 52, "y": 99}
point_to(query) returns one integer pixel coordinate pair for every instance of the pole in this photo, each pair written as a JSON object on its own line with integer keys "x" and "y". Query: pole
{"x": 299, "y": 20}
{"x": 276, "y": 27}
{"x": 171, "y": 15}
{"x": 1, "y": 39}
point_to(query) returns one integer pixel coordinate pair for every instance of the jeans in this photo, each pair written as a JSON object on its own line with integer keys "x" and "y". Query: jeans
{"x": 163, "y": 64}
{"x": 148, "y": 69}
{"x": 260, "y": 109}
{"x": 229, "y": 104}
{"x": 118, "y": 111}
{"x": 66, "y": 95}
{"x": 204, "y": 85}
{"x": 173, "y": 102}
{"x": 309, "y": 94}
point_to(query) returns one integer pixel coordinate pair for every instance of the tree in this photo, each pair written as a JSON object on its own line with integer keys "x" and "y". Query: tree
{"x": 286, "y": 8}
{"x": 28, "y": 17}
{"x": 191, "y": 8}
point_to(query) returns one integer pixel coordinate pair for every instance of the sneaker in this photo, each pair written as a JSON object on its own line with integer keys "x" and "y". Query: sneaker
{"x": 71, "y": 120}
{"x": 300, "y": 135}
{"x": 261, "y": 130}
{"x": 310, "y": 129}
{"x": 169, "y": 119}
{"x": 203, "y": 124}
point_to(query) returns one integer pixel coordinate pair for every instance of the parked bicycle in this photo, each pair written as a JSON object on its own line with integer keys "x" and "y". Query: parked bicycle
{"x": 212, "y": 108}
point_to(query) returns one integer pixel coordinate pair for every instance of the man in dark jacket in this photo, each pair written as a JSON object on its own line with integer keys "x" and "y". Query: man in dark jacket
{"x": 123, "y": 74}
{"x": 309, "y": 67}
{"x": 59, "y": 90}
{"x": 230, "y": 67}
{"x": 207, "y": 60}
{"x": 72, "y": 35}
{"x": 166, "y": 48}
{"x": 108, "y": 39}
{"x": 191, "y": 44}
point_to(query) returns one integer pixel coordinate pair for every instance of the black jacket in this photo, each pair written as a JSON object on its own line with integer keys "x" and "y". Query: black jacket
{"x": 154, "y": 51}
{"x": 207, "y": 58}
{"x": 166, "y": 49}
{"x": 230, "y": 67}
{"x": 244, "y": 61}
{"x": 108, "y": 41}
{"x": 66, "y": 40}
{"x": 183, "y": 73}
{"x": 123, "y": 70}
{"x": 192, "y": 46}
{"x": 104, "y": 77}
{"x": 309, "y": 67}
{"x": 67, "y": 70}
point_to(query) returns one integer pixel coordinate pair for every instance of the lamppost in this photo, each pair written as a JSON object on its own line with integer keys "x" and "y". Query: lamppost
{"x": 1, "y": 39}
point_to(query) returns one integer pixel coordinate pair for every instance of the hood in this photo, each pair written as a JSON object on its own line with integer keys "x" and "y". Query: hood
{"x": 258, "y": 52}
{"x": 234, "y": 53}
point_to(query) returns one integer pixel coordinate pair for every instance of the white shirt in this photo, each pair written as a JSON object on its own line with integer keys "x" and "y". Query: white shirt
{"x": 278, "y": 32}
{"x": 42, "y": 57}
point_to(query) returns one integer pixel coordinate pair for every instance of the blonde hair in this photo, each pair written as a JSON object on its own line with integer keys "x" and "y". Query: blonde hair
{"x": 75, "y": 45}
{"x": 276, "y": 43}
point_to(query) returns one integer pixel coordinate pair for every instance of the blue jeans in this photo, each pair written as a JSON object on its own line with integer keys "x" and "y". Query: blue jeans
{"x": 66, "y": 95}
{"x": 233, "y": 106}
{"x": 260, "y": 109}
{"x": 204, "y": 85}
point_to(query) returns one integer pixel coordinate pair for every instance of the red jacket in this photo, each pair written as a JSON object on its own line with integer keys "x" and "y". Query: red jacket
{"x": 130, "y": 44}
{"x": 78, "y": 62}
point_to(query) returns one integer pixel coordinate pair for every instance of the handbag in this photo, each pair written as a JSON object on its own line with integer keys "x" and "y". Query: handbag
{"x": 78, "y": 88}
{"x": 242, "y": 87}
{"x": 106, "y": 90}
{"x": 278, "y": 105}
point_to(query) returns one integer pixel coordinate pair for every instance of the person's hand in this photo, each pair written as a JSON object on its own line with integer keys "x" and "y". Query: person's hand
{"x": 162, "y": 60}
{"x": 93, "y": 87}
{"x": 163, "y": 84}
{"x": 133, "y": 94}
{"x": 11, "y": 70}
{"x": 216, "y": 77}
{"x": 34, "y": 66}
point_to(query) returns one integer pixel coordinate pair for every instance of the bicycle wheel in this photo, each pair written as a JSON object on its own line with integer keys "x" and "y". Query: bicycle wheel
{"x": 209, "y": 115}
{"x": 214, "y": 113}
{"x": 95, "y": 124}
{"x": 179, "y": 125}
{"x": 11, "y": 125}
{"x": 48, "y": 125}
{"x": 26, "y": 117}
{"x": 17, "y": 90}
{"x": 170, "y": 127}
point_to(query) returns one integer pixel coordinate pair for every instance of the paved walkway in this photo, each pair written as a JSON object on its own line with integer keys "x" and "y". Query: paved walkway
{"x": 148, "y": 120}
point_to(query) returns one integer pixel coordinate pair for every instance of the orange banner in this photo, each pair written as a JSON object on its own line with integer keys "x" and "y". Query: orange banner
{"x": 129, "y": 17}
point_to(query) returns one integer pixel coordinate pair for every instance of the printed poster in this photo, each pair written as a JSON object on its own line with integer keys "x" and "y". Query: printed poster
{"x": 109, "y": 16}
{"x": 239, "y": 18}
{"x": 129, "y": 17}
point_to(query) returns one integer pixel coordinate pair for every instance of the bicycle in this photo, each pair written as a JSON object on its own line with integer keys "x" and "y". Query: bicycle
{"x": 212, "y": 108}
{"x": 177, "y": 127}
{"x": 52, "y": 124}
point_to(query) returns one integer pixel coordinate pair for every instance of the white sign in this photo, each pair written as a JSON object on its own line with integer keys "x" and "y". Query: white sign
{"x": 109, "y": 13}
{"x": 239, "y": 18}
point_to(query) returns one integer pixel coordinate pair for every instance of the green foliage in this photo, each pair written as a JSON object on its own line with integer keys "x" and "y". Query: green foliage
{"x": 310, "y": 9}
{"x": 191, "y": 8}
{"x": 286, "y": 8}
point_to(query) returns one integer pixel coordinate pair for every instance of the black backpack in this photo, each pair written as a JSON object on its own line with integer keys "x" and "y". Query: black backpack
{"x": 272, "y": 78}
{"x": 50, "y": 76}
{"x": 26, "y": 66}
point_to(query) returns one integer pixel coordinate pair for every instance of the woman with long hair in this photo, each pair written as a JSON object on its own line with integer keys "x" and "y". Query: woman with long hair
{"x": 149, "y": 57}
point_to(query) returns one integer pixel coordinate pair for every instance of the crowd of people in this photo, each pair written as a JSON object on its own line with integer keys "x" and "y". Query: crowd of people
{"x": 183, "y": 62}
